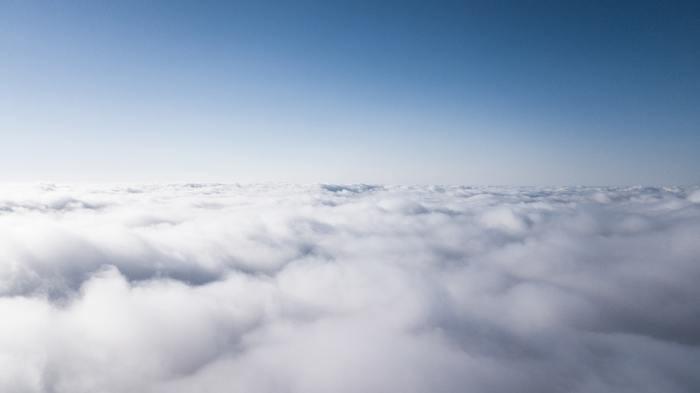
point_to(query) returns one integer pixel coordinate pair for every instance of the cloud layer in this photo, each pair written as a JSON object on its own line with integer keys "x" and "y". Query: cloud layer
{"x": 332, "y": 288}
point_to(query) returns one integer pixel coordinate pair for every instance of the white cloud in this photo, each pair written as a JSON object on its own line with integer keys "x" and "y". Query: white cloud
{"x": 286, "y": 288}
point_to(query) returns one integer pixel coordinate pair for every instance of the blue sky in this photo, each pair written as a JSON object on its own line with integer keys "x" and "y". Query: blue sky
{"x": 492, "y": 92}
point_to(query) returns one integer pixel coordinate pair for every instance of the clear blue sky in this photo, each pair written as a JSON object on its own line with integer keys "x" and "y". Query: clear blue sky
{"x": 492, "y": 92}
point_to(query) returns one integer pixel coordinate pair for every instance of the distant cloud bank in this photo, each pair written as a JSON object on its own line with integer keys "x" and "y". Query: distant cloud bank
{"x": 349, "y": 288}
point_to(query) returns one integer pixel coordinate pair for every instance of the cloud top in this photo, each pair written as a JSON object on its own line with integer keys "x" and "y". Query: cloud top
{"x": 348, "y": 288}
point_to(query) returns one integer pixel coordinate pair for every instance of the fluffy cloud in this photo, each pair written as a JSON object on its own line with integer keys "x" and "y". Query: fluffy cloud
{"x": 287, "y": 288}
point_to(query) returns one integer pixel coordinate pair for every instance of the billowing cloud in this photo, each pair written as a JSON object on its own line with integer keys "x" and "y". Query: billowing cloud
{"x": 286, "y": 288}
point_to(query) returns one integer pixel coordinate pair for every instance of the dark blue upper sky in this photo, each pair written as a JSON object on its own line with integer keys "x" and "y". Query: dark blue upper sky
{"x": 492, "y": 92}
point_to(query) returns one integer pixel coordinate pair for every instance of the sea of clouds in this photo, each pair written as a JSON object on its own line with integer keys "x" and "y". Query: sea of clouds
{"x": 330, "y": 288}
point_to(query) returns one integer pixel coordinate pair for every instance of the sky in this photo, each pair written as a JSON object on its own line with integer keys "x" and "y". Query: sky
{"x": 492, "y": 92}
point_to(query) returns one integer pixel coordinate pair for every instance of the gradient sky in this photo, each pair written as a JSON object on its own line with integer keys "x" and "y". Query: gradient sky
{"x": 492, "y": 92}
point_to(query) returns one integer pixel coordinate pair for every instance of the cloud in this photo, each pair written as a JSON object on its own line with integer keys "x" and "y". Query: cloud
{"x": 337, "y": 288}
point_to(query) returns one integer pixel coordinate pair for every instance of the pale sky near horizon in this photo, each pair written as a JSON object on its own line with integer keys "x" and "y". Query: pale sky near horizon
{"x": 461, "y": 92}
